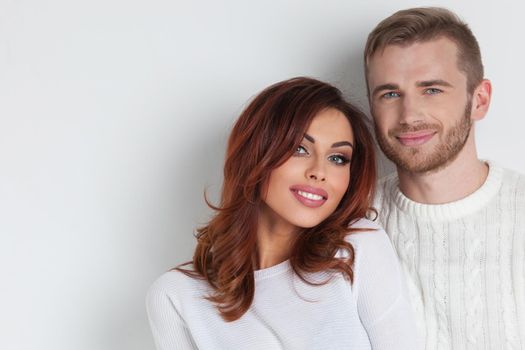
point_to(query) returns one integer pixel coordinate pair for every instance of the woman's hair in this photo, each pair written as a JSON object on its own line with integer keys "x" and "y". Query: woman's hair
{"x": 266, "y": 134}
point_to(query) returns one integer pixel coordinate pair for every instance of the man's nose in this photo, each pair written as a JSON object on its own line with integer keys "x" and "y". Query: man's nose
{"x": 411, "y": 110}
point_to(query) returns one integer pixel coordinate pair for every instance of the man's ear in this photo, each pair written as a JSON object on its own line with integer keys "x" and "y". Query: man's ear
{"x": 481, "y": 100}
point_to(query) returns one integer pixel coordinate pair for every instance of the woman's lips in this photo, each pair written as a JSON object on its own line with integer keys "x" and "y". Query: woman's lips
{"x": 415, "y": 138}
{"x": 309, "y": 196}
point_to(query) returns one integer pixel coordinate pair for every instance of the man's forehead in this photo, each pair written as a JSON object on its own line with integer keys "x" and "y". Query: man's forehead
{"x": 438, "y": 44}
{"x": 423, "y": 59}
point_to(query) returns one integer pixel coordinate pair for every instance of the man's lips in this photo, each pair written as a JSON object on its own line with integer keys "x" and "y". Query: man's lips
{"x": 309, "y": 196}
{"x": 415, "y": 138}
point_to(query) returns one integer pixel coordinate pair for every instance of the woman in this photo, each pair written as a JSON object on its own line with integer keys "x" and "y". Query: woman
{"x": 288, "y": 261}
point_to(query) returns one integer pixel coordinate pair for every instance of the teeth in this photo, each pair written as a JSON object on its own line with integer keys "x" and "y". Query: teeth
{"x": 309, "y": 195}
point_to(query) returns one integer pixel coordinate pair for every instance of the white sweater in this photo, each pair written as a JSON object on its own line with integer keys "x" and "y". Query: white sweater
{"x": 464, "y": 262}
{"x": 286, "y": 313}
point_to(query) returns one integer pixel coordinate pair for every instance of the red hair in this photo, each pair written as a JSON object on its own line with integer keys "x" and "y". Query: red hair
{"x": 264, "y": 137}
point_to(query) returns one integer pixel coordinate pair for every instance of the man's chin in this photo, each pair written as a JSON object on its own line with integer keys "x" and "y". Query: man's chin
{"x": 423, "y": 165}
{"x": 415, "y": 161}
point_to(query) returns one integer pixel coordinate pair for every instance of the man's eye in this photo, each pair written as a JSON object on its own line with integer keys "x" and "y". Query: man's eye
{"x": 300, "y": 150}
{"x": 433, "y": 91}
{"x": 390, "y": 94}
{"x": 339, "y": 159}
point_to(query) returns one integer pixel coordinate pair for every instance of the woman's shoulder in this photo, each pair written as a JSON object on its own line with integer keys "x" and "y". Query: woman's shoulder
{"x": 171, "y": 300}
{"x": 368, "y": 239}
{"x": 175, "y": 284}
{"x": 365, "y": 232}
{"x": 375, "y": 261}
{"x": 364, "y": 224}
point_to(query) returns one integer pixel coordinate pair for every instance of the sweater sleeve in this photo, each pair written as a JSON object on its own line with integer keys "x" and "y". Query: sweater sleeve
{"x": 382, "y": 301}
{"x": 168, "y": 327}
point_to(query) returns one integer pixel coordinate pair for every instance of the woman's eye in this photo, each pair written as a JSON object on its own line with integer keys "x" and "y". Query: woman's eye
{"x": 301, "y": 150}
{"x": 339, "y": 159}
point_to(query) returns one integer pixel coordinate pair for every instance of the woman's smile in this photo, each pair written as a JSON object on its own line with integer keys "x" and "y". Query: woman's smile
{"x": 309, "y": 196}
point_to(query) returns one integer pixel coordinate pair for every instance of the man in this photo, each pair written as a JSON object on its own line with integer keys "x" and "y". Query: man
{"x": 457, "y": 222}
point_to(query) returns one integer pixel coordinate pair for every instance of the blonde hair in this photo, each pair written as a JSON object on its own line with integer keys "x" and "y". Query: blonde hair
{"x": 423, "y": 24}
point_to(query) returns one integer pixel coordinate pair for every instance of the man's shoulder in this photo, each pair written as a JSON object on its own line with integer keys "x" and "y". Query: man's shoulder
{"x": 509, "y": 178}
{"x": 513, "y": 176}
{"x": 384, "y": 189}
{"x": 388, "y": 180}
{"x": 512, "y": 184}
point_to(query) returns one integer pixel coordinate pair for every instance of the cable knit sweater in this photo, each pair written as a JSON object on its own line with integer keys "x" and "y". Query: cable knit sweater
{"x": 286, "y": 313}
{"x": 464, "y": 261}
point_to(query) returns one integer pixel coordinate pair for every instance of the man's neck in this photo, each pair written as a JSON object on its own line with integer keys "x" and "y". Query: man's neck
{"x": 458, "y": 179}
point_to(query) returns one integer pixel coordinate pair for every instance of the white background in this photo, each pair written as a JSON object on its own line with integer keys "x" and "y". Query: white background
{"x": 113, "y": 120}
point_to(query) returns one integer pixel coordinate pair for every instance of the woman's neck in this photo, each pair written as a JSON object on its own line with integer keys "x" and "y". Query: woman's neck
{"x": 275, "y": 239}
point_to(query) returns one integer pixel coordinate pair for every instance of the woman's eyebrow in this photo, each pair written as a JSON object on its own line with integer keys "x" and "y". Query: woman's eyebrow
{"x": 309, "y": 138}
{"x": 342, "y": 143}
{"x": 336, "y": 144}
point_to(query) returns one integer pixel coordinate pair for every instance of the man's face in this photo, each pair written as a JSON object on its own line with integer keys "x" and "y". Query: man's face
{"x": 420, "y": 104}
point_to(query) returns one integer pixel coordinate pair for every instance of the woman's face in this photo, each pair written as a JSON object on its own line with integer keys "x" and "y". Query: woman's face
{"x": 308, "y": 187}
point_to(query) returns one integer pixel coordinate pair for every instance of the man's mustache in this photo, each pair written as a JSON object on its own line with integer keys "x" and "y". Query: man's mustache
{"x": 413, "y": 128}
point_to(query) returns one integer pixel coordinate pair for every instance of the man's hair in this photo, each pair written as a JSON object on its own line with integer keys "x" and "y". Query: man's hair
{"x": 423, "y": 24}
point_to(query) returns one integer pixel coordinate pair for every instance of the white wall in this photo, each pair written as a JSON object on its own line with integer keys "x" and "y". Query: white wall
{"x": 113, "y": 120}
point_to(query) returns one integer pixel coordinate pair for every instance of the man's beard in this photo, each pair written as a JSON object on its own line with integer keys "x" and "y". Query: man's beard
{"x": 409, "y": 158}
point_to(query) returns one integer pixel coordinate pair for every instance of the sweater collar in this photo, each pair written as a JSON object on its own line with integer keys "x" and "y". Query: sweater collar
{"x": 453, "y": 210}
{"x": 272, "y": 270}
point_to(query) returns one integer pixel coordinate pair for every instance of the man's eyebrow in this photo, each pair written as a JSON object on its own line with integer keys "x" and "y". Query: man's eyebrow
{"x": 334, "y": 145}
{"x": 434, "y": 82}
{"x": 424, "y": 83}
{"x": 384, "y": 87}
